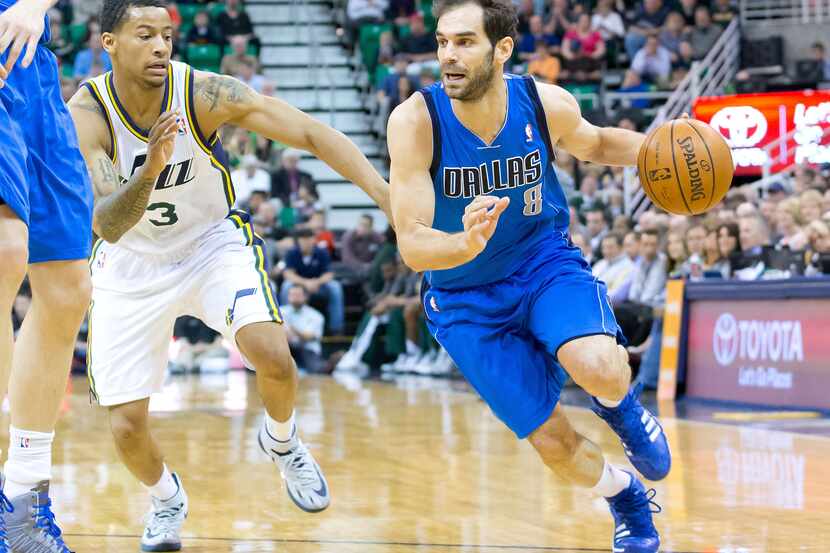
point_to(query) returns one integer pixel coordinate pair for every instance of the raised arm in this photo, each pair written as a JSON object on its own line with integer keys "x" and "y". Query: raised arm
{"x": 587, "y": 142}
{"x": 413, "y": 198}
{"x": 21, "y": 26}
{"x": 118, "y": 207}
{"x": 221, "y": 99}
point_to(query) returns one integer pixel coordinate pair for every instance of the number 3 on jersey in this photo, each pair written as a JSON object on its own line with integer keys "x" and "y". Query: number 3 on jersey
{"x": 533, "y": 201}
{"x": 167, "y": 214}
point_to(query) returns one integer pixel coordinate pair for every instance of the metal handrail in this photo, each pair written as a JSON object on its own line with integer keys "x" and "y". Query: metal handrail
{"x": 784, "y": 12}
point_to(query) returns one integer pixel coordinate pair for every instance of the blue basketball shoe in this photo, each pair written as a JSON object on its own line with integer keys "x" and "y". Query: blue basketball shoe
{"x": 634, "y": 531}
{"x": 5, "y": 507}
{"x": 642, "y": 436}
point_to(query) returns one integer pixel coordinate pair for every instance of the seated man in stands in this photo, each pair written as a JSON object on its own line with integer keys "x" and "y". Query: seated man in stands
{"x": 653, "y": 62}
{"x": 615, "y": 268}
{"x": 704, "y": 34}
{"x": 309, "y": 266}
{"x": 287, "y": 180}
{"x": 202, "y": 32}
{"x": 583, "y": 50}
{"x": 536, "y": 36}
{"x": 649, "y": 18}
{"x": 304, "y": 329}
{"x": 360, "y": 246}
{"x": 420, "y": 46}
{"x": 231, "y": 63}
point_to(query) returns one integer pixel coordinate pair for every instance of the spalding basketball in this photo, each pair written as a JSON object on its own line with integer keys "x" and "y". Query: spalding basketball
{"x": 685, "y": 166}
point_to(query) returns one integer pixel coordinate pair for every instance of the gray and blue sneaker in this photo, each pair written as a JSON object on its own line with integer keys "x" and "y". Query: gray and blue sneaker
{"x": 31, "y": 524}
{"x": 164, "y": 522}
{"x": 304, "y": 481}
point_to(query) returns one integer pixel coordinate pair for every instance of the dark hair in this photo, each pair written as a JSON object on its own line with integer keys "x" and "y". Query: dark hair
{"x": 301, "y": 287}
{"x": 304, "y": 233}
{"x": 113, "y": 11}
{"x": 651, "y": 232}
{"x": 500, "y": 17}
{"x": 733, "y": 231}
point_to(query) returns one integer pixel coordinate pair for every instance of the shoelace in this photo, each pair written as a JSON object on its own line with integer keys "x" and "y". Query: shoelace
{"x": 45, "y": 520}
{"x": 5, "y": 507}
{"x": 302, "y": 468}
{"x": 625, "y": 506}
{"x": 165, "y": 520}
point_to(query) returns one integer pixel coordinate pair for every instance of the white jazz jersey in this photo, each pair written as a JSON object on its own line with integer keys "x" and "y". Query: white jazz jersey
{"x": 193, "y": 193}
{"x": 189, "y": 255}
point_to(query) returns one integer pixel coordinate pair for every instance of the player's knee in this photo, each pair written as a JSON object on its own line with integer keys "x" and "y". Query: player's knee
{"x": 127, "y": 425}
{"x": 599, "y": 365}
{"x": 277, "y": 363}
{"x": 68, "y": 294}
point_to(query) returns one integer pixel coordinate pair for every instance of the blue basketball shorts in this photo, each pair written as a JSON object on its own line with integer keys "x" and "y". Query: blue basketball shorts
{"x": 43, "y": 177}
{"x": 504, "y": 336}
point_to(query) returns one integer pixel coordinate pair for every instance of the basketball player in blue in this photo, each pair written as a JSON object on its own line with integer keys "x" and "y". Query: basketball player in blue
{"x": 45, "y": 230}
{"x": 478, "y": 207}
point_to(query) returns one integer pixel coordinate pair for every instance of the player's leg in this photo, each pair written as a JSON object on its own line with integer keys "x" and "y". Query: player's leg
{"x": 14, "y": 251}
{"x": 576, "y": 459}
{"x": 584, "y": 339}
{"x": 237, "y": 300}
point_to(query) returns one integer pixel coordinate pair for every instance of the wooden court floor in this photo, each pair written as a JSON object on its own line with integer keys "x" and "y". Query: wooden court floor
{"x": 421, "y": 465}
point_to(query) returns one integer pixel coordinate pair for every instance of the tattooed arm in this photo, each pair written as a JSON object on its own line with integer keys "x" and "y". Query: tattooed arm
{"x": 222, "y": 99}
{"x": 118, "y": 208}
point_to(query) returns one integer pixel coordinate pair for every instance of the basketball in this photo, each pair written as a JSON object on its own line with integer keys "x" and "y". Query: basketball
{"x": 685, "y": 167}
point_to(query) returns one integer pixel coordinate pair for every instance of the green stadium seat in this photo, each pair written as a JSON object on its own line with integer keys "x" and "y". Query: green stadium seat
{"x": 184, "y": 30}
{"x": 216, "y": 10}
{"x": 380, "y": 74}
{"x": 250, "y": 50}
{"x": 585, "y": 104}
{"x": 189, "y": 11}
{"x": 369, "y": 42}
{"x": 77, "y": 33}
{"x": 205, "y": 57}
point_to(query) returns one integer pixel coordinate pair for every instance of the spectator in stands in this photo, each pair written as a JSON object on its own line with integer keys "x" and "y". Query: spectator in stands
{"x": 583, "y": 50}
{"x": 675, "y": 253}
{"x": 687, "y": 10}
{"x": 231, "y": 63}
{"x": 818, "y": 53}
{"x": 543, "y": 65}
{"x": 580, "y": 240}
{"x": 713, "y": 262}
{"x": 634, "y": 84}
{"x": 386, "y": 48}
{"x": 646, "y": 293}
{"x": 597, "y": 226}
{"x": 575, "y": 225}
{"x": 391, "y": 88}
{"x": 363, "y": 12}
{"x": 248, "y": 75}
{"x": 309, "y": 266}
{"x": 420, "y": 45}
{"x": 60, "y": 45}
{"x": 673, "y": 36}
{"x": 631, "y": 246}
{"x": 525, "y": 10}
{"x": 304, "y": 329}
{"x": 653, "y": 62}
{"x": 535, "y": 36}
{"x": 788, "y": 225}
{"x": 287, "y": 180}
{"x": 235, "y": 23}
{"x": 723, "y": 12}
{"x": 608, "y": 22}
{"x": 648, "y": 19}
{"x": 323, "y": 237}
{"x": 754, "y": 235}
{"x": 93, "y": 55}
{"x": 426, "y": 77}
{"x": 728, "y": 241}
{"x": 615, "y": 268}
{"x": 307, "y": 202}
{"x": 589, "y": 197}
{"x": 203, "y": 32}
{"x": 704, "y": 34}
{"x": 400, "y": 11}
{"x": 559, "y": 19}
{"x": 360, "y": 246}
{"x": 810, "y": 206}
{"x": 613, "y": 198}
{"x": 248, "y": 178}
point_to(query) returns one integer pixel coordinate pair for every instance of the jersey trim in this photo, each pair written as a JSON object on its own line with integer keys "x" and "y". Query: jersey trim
{"x": 190, "y": 110}
{"x": 124, "y": 116}
{"x": 259, "y": 256}
{"x": 429, "y": 99}
{"x": 219, "y": 159}
{"x": 113, "y": 149}
{"x": 541, "y": 119}
{"x": 93, "y": 393}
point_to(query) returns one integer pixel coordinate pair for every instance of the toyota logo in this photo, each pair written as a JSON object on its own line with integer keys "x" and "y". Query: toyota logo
{"x": 742, "y": 126}
{"x": 725, "y": 339}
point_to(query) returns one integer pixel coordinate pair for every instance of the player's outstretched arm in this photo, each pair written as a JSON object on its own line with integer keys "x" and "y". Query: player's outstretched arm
{"x": 118, "y": 208}
{"x": 221, "y": 99}
{"x": 21, "y": 26}
{"x": 587, "y": 142}
{"x": 413, "y": 198}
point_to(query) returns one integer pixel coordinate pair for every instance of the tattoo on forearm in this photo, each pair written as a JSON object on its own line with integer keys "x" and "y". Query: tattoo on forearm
{"x": 220, "y": 89}
{"x": 121, "y": 210}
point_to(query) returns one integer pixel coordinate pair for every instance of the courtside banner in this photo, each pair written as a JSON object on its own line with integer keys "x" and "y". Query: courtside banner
{"x": 760, "y": 351}
{"x": 751, "y": 121}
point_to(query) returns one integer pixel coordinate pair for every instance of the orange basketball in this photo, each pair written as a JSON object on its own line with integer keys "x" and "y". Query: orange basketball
{"x": 685, "y": 166}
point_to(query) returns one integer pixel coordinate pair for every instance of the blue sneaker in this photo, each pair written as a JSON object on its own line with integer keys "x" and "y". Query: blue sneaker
{"x": 634, "y": 531}
{"x": 5, "y": 507}
{"x": 642, "y": 436}
{"x": 31, "y": 523}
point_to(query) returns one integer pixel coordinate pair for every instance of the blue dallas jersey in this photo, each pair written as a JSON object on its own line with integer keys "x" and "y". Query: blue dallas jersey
{"x": 517, "y": 164}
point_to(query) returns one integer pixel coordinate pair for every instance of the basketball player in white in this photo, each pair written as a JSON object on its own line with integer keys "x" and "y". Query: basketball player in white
{"x": 172, "y": 246}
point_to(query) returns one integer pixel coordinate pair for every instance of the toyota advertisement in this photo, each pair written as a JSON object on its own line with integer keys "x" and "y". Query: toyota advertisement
{"x": 751, "y": 121}
{"x": 757, "y": 351}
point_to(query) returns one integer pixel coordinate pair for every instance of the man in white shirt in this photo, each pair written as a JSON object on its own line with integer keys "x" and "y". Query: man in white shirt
{"x": 249, "y": 178}
{"x": 615, "y": 268}
{"x": 304, "y": 328}
{"x": 653, "y": 62}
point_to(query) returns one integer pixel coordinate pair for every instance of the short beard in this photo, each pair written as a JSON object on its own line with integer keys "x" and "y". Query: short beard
{"x": 480, "y": 82}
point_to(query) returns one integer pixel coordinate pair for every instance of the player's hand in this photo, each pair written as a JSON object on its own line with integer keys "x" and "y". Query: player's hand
{"x": 162, "y": 140}
{"x": 480, "y": 220}
{"x": 21, "y": 26}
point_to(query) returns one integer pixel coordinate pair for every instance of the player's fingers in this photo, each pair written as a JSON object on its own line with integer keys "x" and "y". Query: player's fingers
{"x": 31, "y": 48}
{"x": 480, "y": 202}
{"x": 14, "y": 52}
{"x": 498, "y": 208}
{"x": 165, "y": 121}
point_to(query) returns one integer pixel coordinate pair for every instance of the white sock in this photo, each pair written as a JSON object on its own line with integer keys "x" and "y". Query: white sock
{"x": 30, "y": 460}
{"x": 612, "y": 481}
{"x": 281, "y": 431}
{"x": 609, "y": 403}
{"x": 411, "y": 348}
{"x": 165, "y": 488}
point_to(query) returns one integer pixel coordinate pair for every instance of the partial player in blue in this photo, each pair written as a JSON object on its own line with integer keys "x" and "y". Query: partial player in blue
{"x": 45, "y": 231}
{"x": 513, "y": 302}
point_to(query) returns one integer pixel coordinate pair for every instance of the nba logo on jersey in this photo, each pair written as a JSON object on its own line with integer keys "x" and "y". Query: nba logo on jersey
{"x": 529, "y": 133}
{"x": 182, "y": 127}
{"x": 24, "y": 443}
{"x": 102, "y": 258}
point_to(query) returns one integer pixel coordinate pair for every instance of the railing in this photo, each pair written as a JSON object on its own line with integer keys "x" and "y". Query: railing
{"x": 782, "y": 144}
{"x": 784, "y": 12}
{"x": 302, "y": 15}
{"x": 707, "y": 77}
